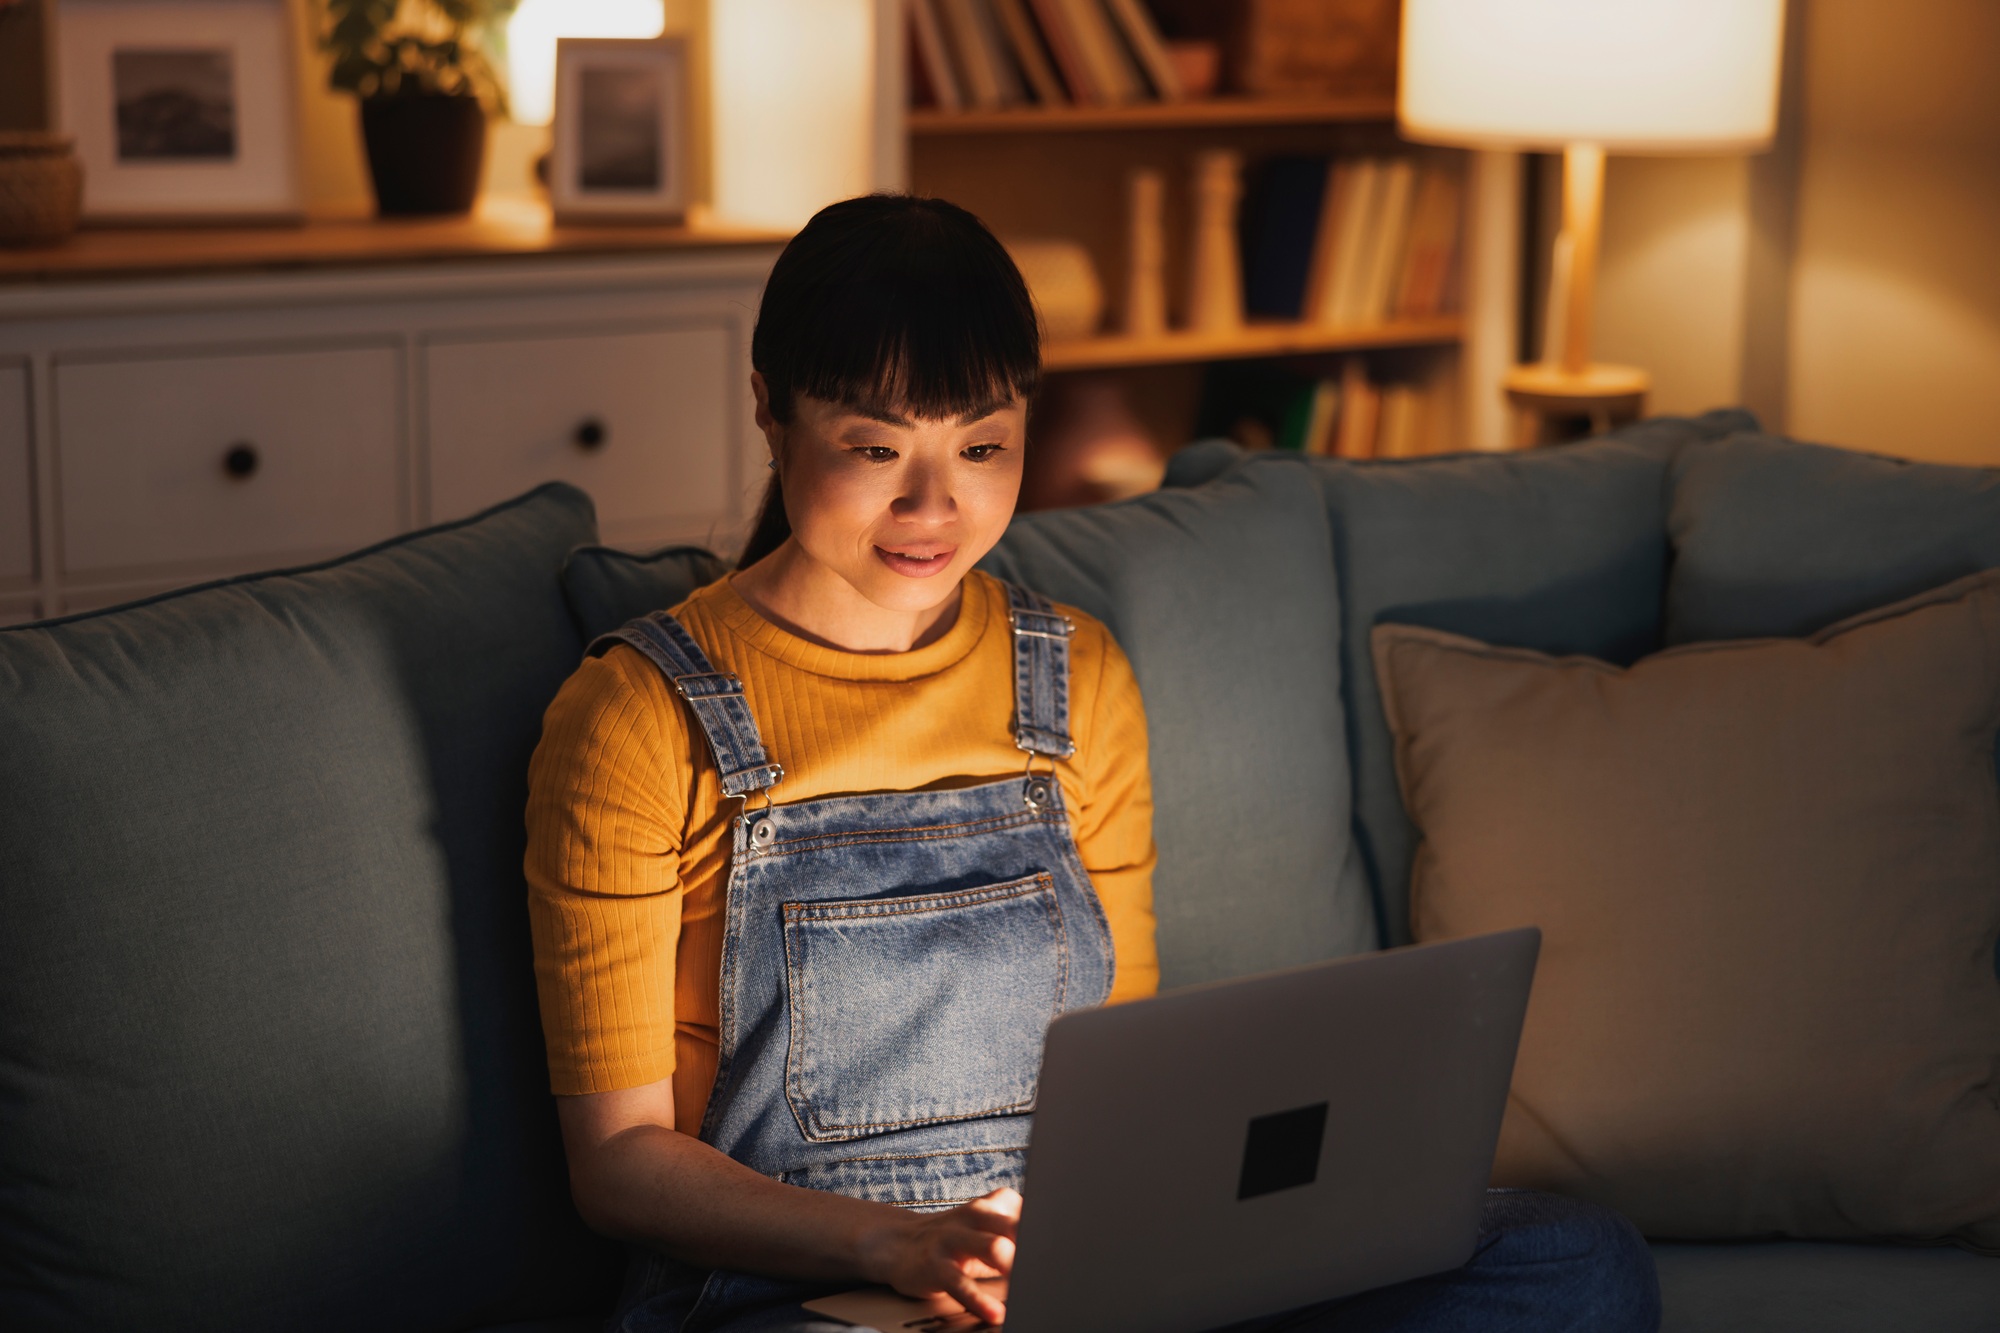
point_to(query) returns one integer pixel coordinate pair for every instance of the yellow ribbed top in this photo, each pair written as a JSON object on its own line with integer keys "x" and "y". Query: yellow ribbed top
{"x": 629, "y": 833}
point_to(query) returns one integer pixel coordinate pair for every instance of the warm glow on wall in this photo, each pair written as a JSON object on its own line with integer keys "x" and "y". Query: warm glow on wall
{"x": 531, "y": 43}
{"x": 794, "y": 100}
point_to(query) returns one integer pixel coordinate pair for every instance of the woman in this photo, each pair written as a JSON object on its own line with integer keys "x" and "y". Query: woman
{"x": 815, "y": 858}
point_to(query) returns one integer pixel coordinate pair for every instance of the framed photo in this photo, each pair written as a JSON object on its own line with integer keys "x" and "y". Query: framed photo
{"x": 181, "y": 111}
{"x": 620, "y": 150}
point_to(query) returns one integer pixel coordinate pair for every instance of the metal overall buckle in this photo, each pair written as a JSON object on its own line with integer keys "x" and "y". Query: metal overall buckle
{"x": 1037, "y": 792}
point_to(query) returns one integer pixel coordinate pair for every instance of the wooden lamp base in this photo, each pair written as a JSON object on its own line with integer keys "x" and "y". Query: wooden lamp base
{"x": 1548, "y": 400}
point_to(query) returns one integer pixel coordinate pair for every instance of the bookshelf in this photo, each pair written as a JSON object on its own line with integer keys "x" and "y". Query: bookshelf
{"x": 1215, "y": 111}
{"x": 1059, "y": 168}
{"x": 1255, "y": 339}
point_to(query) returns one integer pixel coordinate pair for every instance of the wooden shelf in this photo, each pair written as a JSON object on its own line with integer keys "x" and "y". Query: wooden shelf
{"x": 498, "y": 228}
{"x": 1287, "y": 339}
{"x": 1221, "y": 111}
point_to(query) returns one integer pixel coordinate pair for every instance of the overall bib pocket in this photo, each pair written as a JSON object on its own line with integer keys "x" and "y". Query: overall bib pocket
{"x": 916, "y": 1010}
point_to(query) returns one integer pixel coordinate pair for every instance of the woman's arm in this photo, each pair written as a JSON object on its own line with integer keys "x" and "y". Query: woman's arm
{"x": 635, "y": 1176}
{"x": 1114, "y": 816}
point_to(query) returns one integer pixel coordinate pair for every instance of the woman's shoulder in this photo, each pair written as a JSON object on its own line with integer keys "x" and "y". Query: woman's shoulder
{"x": 615, "y": 701}
{"x": 621, "y": 672}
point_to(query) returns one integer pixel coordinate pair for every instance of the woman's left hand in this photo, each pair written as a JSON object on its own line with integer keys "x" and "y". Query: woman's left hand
{"x": 925, "y": 1254}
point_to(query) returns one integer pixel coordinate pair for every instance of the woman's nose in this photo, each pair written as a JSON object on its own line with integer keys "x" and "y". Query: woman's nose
{"x": 926, "y": 495}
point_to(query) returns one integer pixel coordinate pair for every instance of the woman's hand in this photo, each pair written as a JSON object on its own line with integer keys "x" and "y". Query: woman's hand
{"x": 635, "y": 1177}
{"x": 948, "y": 1252}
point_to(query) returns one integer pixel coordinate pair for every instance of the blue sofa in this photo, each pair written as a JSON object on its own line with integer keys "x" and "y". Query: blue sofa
{"x": 269, "y": 1054}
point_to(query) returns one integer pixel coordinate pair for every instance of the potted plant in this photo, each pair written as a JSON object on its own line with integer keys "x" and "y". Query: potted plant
{"x": 424, "y": 84}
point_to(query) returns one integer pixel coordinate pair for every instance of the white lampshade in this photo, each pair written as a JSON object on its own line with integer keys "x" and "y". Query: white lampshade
{"x": 1627, "y": 75}
{"x": 794, "y": 100}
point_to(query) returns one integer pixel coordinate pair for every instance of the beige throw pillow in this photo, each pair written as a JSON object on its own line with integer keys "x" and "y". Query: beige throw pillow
{"x": 1768, "y": 879}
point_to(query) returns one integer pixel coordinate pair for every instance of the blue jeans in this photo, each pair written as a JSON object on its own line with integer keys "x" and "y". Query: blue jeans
{"x": 1544, "y": 1264}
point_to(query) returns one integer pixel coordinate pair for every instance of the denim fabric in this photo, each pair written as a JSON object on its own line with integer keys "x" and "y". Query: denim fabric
{"x": 1543, "y": 1264}
{"x": 890, "y": 962}
{"x": 715, "y": 699}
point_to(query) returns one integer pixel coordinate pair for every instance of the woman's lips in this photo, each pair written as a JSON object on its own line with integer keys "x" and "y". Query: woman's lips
{"x": 916, "y": 566}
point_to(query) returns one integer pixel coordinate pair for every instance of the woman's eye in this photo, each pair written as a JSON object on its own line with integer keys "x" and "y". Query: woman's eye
{"x": 979, "y": 453}
{"x": 876, "y": 453}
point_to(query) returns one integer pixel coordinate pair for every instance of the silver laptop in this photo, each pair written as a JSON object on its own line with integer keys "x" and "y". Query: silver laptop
{"x": 1251, "y": 1146}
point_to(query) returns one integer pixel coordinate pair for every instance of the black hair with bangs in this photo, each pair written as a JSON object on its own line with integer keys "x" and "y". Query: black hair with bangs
{"x": 892, "y": 304}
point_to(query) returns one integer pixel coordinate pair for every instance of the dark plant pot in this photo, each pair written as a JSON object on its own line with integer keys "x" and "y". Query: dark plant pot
{"x": 425, "y": 152}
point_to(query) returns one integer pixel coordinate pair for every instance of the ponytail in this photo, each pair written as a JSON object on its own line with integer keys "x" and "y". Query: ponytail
{"x": 773, "y": 527}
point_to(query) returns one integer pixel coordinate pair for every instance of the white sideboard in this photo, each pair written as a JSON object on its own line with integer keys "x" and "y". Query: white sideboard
{"x": 164, "y": 429}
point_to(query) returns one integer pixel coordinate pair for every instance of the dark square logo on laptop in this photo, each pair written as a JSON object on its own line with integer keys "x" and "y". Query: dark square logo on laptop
{"x": 1281, "y": 1151}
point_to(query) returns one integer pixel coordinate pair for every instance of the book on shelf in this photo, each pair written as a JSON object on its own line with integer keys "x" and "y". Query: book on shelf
{"x": 1323, "y": 417}
{"x": 1389, "y": 227}
{"x": 1013, "y": 77}
{"x": 1148, "y": 48}
{"x": 1360, "y": 402}
{"x": 989, "y": 54}
{"x": 1347, "y": 415}
{"x": 1342, "y": 240}
{"x": 1057, "y": 31}
{"x": 1425, "y": 285}
{"x": 1029, "y": 52}
{"x": 1110, "y": 67}
{"x": 1385, "y": 243}
{"x": 1277, "y": 233}
{"x": 1399, "y": 428}
{"x": 981, "y": 88}
{"x": 932, "y": 64}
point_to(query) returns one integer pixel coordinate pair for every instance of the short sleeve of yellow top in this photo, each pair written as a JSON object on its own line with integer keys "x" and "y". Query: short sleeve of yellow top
{"x": 629, "y": 833}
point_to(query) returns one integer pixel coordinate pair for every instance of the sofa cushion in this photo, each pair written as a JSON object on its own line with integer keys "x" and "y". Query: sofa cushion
{"x": 269, "y": 1055}
{"x": 1802, "y": 1287}
{"x": 1223, "y": 597}
{"x": 606, "y": 587}
{"x": 1765, "y": 872}
{"x": 1776, "y": 537}
{"x": 1561, "y": 549}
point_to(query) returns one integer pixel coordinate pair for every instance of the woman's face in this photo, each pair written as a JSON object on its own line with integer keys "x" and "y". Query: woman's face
{"x": 900, "y": 508}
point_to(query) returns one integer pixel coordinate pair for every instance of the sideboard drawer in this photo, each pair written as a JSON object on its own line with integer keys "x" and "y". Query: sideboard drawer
{"x": 232, "y": 460}
{"x": 17, "y": 529}
{"x": 640, "y": 418}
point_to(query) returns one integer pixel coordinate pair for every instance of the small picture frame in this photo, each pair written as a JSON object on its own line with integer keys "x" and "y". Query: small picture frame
{"x": 620, "y": 130}
{"x": 181, "y": 111}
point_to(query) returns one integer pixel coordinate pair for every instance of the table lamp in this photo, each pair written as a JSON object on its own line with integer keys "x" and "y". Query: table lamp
{"x": 1588, "y": 77}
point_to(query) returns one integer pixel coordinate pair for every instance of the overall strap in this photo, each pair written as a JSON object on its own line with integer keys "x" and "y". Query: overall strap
{"x": 1041, "y": 674}
{"x": 716, "y": 699}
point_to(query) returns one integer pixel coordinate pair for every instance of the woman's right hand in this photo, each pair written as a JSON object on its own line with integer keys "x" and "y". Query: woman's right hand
{"x": 925, "y": 1254}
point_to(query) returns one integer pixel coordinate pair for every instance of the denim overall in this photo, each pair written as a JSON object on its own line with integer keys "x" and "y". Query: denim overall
{"x": 889, "y": 965}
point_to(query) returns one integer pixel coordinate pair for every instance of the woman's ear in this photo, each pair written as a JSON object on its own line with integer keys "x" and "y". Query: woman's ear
{"x": 767, "y": 422}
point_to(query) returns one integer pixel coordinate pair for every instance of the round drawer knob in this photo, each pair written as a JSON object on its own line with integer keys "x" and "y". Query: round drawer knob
{"x": 591, "y": 434}
{"x": 240, "y": 461}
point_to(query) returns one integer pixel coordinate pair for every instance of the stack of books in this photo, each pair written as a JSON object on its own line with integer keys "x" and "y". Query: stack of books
{"x": 1350, "y": 414}
{"x": 988, "y": 54}
{"x": 1350, "y": 242}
